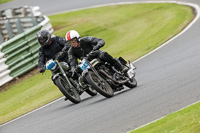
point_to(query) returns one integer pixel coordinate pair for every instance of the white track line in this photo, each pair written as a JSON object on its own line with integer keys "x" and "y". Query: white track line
{"x": 31, "y": 112}
{"x": 196, "y": 7}
{"x": 123, "y": 3}
{"x": 163, "y": 117}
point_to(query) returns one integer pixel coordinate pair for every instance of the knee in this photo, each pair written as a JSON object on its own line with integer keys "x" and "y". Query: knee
{"x": 105, "y": 56}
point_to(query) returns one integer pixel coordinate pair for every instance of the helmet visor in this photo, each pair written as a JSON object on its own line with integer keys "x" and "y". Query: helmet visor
{"x": 43, "y": 39}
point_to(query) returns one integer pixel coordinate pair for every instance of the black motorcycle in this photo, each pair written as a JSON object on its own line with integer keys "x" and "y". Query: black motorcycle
{"x": 105, "y": 78}
{"x": 71, "y": 88}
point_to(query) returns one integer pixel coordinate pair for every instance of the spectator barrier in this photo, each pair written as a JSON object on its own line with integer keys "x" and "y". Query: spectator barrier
{"x": 19, "y": 53}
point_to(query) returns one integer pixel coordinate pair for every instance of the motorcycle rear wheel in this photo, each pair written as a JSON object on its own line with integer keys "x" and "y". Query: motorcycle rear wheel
{"x": 103, "y": 88}
{"x": 63, "y": 86}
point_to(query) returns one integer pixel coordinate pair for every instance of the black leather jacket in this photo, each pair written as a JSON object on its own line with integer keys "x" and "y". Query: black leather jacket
{"x": 86, "y": 45}
{"x": 51, "y": 51}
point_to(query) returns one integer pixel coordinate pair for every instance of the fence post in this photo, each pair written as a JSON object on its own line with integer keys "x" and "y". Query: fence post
{"x": 1, "y": 37}
{"x": 9, "y": 28}
{"x": 18, "y": 25}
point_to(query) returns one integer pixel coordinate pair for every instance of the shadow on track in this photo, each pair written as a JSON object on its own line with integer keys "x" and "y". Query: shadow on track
{"x": 117, "y": 94}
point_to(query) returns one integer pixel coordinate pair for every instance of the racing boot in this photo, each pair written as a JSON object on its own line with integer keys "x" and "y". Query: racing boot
{"x": 107, "y": 57}
{"x": 120, "y": 67}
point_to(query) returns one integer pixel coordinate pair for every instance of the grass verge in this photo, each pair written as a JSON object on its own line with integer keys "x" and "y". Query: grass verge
{"x": 5, "y": 1}
{"x": 183, "y": 121}
{"x": 130, "y": 31}
{"x": 27, "y": 95}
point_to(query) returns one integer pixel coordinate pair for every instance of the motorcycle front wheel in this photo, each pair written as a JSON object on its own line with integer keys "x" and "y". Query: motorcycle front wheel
{"x": 91, "y": 91}
{"x": 100, "y": 86}
{"x": 63, "y": 86}
{"x": 131, "y": 83}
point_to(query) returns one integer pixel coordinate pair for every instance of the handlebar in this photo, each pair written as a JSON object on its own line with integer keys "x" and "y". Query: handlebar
{"x": 90, "y": 53}
{"x": 60, "y": 55}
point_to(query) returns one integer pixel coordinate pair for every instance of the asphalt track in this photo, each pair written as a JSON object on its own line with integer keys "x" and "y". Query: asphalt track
{"x": 168, "y": 80}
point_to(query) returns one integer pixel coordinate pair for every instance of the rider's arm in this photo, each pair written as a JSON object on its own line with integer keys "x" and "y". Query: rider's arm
{"x": 63, "y": 43}
{"x": 72, "y": 59}
{"x": 96, "y": 42}
{"x": 42, "y": 59}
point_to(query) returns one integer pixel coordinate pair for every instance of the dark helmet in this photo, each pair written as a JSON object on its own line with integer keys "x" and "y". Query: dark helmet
{"x": 43, "y": 37}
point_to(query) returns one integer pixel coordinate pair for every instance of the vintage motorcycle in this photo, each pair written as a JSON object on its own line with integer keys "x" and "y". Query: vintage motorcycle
{"x": 71, "y": 88}
{"x": 105, "y": 78}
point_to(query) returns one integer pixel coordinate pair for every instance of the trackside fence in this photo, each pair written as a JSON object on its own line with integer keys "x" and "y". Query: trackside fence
{"x": 20, "y": 53}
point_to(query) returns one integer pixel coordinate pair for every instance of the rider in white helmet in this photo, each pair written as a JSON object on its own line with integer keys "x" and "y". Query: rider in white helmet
{"x": 80, "y": 47}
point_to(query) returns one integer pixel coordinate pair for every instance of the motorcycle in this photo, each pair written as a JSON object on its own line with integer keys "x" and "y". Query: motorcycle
{"x": 70, "y": 88}
{"x": 105, "y": 78}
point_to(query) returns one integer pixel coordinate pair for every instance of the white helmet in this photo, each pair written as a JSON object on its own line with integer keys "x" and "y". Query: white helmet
{"x": 72, "y": 34}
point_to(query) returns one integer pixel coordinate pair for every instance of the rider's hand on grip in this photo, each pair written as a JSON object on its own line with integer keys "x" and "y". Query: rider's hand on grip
{"x": 92, "y": 53}
{"x": 42, "y": 70}
{"x": 97, "y": 47}
{"x": 60, "y": 53}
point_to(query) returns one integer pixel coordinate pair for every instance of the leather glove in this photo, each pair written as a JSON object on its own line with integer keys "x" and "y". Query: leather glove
{"x": 91, "y": 53}
{"x": 97, "y": 47}
{"x": 42, "y": 70}
{"x": 60, "y": 53}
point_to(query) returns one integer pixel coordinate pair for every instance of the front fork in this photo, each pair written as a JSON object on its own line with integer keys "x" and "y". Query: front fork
{"x": 95, "y": 72}
{"x": 64, "y": 74}
{"x": 131, "y": 72}
{"x": 102, "y": 80}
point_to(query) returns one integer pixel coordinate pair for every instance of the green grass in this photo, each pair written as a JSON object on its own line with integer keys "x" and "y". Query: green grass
{"x": 4, "y": 1}
{"x": 184, "y": 121}
{"x": 28, "y": 95}
{"x": 130, "y": 31}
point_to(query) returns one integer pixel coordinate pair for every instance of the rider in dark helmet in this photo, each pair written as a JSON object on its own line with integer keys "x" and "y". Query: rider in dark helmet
{"x": 83, "y": 46}
{"x": 44, "y": 38}
{"x": 50, "y": 48}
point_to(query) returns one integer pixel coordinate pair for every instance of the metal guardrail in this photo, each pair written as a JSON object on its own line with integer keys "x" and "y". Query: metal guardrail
{"x": 11, "y": 27}
{"x": 17, "y": 20}
{"x": 20, "y": 53}
{"x": 25, "y": 11}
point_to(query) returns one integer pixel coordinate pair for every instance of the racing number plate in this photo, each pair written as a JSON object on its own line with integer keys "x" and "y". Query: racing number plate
{"x": 84, "y": 65}
{"x": 50, "y": 65}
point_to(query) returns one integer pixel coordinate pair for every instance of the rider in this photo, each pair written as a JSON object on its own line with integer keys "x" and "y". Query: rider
{"x": 83, "y": 46}
{"x": 51, "y": 48}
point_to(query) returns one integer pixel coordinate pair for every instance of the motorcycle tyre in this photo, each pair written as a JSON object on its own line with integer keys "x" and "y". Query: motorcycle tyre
{"x": 75, "y": 99}
{"x": 90, "y": 80}
{"x": 131, "y": 84}
{"x": 92, "y": 92}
